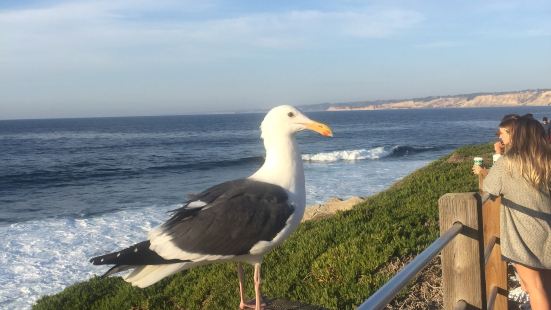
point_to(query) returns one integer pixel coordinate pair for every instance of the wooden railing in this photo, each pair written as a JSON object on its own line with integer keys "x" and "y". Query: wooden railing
{"x": 472, "y": 269}
{"x": 473, "y": 274}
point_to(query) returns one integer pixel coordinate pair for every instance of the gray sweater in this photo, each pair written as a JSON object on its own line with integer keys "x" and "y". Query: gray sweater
{"x": 525, "y": 217}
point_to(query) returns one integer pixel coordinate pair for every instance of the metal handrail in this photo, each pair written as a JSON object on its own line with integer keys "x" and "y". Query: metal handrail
{"x": 386, "y": 293}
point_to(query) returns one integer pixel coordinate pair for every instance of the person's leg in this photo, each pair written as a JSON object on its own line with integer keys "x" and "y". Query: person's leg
{"x": 538, "y": 285}
{"x": 520, "y": 279}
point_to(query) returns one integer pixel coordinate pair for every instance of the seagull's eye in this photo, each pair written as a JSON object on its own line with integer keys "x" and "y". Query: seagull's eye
{"x": 291, "y": 114}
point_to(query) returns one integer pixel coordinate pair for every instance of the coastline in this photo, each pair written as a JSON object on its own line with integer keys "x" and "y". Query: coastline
{"x": 375, "y": 108}
{"x": 533, "y": 98}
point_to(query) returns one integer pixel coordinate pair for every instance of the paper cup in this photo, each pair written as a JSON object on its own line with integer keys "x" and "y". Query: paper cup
{"x": 478, "y": 161}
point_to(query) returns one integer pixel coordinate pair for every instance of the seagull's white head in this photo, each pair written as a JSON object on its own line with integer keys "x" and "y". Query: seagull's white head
{"x": 288, "y": 120}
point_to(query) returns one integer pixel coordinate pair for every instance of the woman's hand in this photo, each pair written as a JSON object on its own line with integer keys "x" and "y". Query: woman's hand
{"x": 498, "y": 147}
{"x": 478, "y": 170}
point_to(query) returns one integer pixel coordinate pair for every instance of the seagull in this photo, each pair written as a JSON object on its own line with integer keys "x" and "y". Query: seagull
{"x": 239, "y": 220}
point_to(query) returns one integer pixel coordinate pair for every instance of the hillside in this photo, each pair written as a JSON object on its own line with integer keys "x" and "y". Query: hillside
{"x": 335, "y": 262}
{"x": 539, "y": 97}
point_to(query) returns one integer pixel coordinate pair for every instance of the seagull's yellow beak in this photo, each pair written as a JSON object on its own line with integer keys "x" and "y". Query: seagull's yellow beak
{"x": 320, "y": 128}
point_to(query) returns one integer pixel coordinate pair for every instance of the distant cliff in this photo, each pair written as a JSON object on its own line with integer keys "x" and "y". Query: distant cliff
{"x": 538, "y": 97}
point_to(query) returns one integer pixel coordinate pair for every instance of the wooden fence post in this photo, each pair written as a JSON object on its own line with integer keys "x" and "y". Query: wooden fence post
{"x": 496, "y": 268}
{"x": 462, "y": 258}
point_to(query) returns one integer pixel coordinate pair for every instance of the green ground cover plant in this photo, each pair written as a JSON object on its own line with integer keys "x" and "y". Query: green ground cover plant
{"x": 336, "y": 262}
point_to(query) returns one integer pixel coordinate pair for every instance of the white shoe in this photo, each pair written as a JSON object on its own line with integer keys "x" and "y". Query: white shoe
{"x": 521, "y": 297}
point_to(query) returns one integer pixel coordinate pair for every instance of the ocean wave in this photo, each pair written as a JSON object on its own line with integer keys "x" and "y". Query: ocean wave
{"x": 207, "y": 165}
{"x": 366, "y": 154}
{"x": 406, "y": 150}
{"x": 85, "y": 170}
{"x": 70, "y": 173}
{"x": 347, "y": 155}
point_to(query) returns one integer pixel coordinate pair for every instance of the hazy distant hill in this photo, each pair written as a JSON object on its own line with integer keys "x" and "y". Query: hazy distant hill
{"x": 537, "y": 97}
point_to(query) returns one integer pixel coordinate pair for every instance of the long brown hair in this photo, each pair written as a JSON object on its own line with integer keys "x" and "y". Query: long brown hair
{"x": 528, "y": 151}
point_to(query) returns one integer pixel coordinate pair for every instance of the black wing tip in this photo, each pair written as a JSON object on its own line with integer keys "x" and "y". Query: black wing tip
{"x": 96, "y": 260}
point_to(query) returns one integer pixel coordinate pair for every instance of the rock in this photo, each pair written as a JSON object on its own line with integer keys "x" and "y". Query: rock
{"x": 456, "y": 158}
{"x": 330, "y": 207}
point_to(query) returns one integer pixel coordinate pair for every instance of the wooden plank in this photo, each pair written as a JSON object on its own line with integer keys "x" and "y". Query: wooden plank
{"x": 462, "y": 259}
{"x": 496, "y": 268}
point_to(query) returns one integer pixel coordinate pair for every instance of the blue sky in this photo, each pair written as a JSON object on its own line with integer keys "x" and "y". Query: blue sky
{"x": 139, "y": 57}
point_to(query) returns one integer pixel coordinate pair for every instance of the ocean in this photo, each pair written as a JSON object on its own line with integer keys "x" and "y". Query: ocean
{"x": 71, "y": 189}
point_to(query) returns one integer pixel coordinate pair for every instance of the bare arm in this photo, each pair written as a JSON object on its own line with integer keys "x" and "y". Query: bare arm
{"x": 478, "y": 170}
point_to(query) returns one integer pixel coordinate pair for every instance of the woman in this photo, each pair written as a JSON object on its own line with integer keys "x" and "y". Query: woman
{"x": 523, "y": 177}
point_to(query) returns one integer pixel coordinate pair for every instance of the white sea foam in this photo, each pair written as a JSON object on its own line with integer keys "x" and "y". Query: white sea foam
{"x": 348, "y": 155}
{"x": 43, "y": 257}
{"x": 361, "y": 178}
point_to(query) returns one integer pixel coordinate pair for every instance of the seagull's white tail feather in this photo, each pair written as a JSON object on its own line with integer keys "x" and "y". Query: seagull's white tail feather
{"x": 144, "y": 276}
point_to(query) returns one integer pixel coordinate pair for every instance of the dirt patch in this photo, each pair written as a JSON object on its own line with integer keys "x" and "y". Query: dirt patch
{"x": 425, "y": 292}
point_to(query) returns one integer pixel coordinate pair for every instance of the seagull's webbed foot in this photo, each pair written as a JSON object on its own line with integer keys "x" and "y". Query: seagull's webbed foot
{"x": 252, "y": 305}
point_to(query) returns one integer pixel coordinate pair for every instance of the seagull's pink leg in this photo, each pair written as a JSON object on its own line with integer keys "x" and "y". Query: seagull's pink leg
{"x": 242, "y": 304}
{"x": 257, "y": 286}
